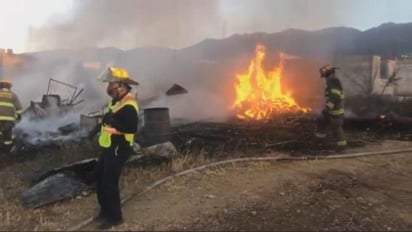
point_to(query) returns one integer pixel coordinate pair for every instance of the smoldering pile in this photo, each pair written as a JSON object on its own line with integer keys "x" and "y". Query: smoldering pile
{"x": 50, "y": 122}
{"x": 289, "y": 133}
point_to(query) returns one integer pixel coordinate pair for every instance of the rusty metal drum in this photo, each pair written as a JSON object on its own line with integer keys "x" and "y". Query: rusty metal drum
{"x": 156, "y": 126}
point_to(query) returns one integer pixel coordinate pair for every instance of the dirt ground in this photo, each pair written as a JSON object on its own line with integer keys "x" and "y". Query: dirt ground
{"x": 367, "y": 193}
{"x": 373, "y": 193}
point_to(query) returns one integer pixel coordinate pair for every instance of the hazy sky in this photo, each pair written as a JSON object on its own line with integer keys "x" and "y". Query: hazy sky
{"x": 177, "y": 23}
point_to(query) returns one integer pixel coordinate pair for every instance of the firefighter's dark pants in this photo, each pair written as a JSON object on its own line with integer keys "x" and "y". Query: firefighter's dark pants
{"x": 335, "y": 123}
{"x": 108, "y": 170}
{"x": 6, "y": 128}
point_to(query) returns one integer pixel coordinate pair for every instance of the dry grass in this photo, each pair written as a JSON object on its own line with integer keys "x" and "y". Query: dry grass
{"x": 135, "y": 179}
{"x": 65, "y": 214}
{"x": 13, "y": 216}
{"x": 61, "y": 215}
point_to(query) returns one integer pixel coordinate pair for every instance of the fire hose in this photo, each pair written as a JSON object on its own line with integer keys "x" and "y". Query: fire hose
{"x": 239, "y": 160}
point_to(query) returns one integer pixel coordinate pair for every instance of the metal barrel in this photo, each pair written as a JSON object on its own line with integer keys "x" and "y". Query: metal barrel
{"x": 156, "y": 126}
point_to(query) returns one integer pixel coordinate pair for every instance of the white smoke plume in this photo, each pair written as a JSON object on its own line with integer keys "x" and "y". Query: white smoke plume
{"x": 31, "y": 85}
{"x": 128, "y": 24}
{"x": 180, "y": 23}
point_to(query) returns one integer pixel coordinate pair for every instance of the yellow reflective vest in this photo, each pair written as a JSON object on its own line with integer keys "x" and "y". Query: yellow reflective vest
{"x": 107, "y": 131}
{"x": 10, "y": 105}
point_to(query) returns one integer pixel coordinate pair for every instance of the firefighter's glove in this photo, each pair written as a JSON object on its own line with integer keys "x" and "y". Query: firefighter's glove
{"x": 18, "y": 118}
{"x": 108, "y": 118}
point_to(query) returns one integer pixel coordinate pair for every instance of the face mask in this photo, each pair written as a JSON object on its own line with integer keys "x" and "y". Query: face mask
{"x": 113, "y": 90}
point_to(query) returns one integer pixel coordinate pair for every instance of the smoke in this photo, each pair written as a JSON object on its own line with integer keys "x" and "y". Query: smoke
{"x": 179, "y": 23}
{"x": 129, "y": 24}
{"x": 189, "y": 108}
{"x": 68, "y": 78}
{"x": 37, "y": 131}
{"x": 248, "y": 16}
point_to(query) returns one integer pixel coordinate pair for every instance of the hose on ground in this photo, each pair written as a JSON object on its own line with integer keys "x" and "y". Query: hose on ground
{"x": 250, "y": 159}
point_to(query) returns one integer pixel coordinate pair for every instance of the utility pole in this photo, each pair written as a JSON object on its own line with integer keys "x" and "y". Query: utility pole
{"x": 224, "y": 29}
{"x": 1, "y": 63}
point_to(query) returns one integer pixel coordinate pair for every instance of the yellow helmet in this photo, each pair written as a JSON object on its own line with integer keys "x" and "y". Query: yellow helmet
{"x": 327, "y": 70}
{"x": 6, "y": 81}
{"x": 118, "y": 75}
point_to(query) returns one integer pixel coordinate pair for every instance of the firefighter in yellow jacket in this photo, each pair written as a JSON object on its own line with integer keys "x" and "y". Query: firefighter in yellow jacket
{"x": 10, "y": 112}
{"x": 116, "y": 139}
{"x": 333, "y": 113}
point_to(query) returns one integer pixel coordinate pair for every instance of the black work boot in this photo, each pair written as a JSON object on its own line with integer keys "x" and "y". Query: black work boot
{"x": 100, "y": 217}
{"x": 340, "y": 149}
{"x": 107, "y": 224}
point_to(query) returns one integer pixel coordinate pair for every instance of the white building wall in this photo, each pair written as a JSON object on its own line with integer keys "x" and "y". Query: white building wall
{"x": 403, "y": 87}
{"x": 371, "y": 70}
{"x": 354, "y": 73}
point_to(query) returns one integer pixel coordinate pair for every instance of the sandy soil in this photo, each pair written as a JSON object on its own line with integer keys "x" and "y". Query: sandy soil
{"x": 372, "y": 193}
{"x": 369, "y": 193}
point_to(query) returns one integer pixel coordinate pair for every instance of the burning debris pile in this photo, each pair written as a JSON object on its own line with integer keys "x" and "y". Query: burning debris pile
{"x": 259, "y": 93}
{"x": 267, "y": 118}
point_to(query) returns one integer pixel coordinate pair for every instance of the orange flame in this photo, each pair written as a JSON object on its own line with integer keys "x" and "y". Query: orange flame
{"x": 259, "y": 93}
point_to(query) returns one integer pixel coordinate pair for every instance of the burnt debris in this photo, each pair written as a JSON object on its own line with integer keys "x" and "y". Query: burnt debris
{"x": 293, "y": 134}
{"x": 52, "y": 120}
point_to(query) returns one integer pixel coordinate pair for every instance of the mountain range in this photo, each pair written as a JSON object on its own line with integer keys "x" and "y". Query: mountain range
{"x": 209, "y": 67}
{"x": 387, "y": 40}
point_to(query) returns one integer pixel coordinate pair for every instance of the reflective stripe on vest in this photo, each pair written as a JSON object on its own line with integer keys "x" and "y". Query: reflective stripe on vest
{"x": 7, "y": 118}
{"x": 338, "y": 92}
{"x": 7, "y": 104}
{"x": 131, "y": 102}
{"x": 342, "y": 143}
{"x": 337, "y": 112}
{"x": 105, "y": 138}
{"x": 320, "y": 135}
{"x": 8, "y": 112}
{"x": 330, "y": 105}
{"x": 106, "y": 131}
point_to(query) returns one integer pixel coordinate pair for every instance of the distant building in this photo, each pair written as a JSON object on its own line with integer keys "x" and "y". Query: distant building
{"x": 367, "y": 75}
{"x": 10, "y": 63}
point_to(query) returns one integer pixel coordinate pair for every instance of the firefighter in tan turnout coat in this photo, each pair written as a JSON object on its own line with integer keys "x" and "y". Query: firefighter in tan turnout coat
{"x": 10, "y": 112}
{"x": 332, "y": 114}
